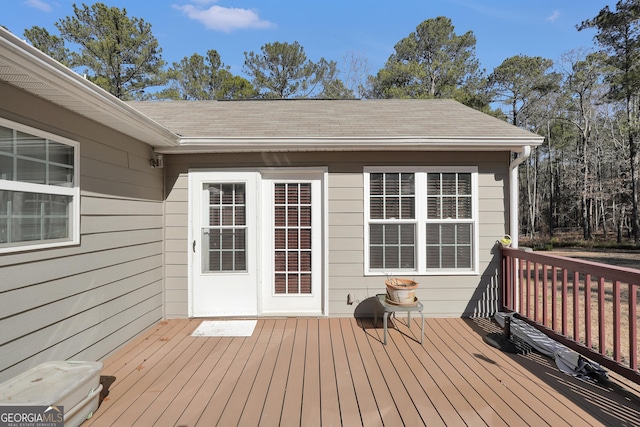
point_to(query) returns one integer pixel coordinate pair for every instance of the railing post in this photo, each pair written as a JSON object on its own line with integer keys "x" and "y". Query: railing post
{"x": 504, "y": 280}
{"x": 507, "y": 282}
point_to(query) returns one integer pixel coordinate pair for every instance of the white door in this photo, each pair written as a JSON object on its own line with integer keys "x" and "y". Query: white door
{"x": 224, "y": 238}
{"x": 292, "y": 235}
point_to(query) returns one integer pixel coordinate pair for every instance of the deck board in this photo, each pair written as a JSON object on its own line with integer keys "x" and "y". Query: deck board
{"x": 145, "y": 391}
{"x": 370, "y": 352}
{"x": 389, "y": 366}
{"x": 193, "y": 383}
{"x": 134, "y": 378}
{"x": 329, "y": 400}
{"x": 184, "y": 380}
{"x": 544, "y": 406}
{"x": 256, "y": 397}
{"x": 450, "y": 384}
{"x": 367, "y": 405}
{"x": 401, "y": 354}
{"x": 292, "y": 403}
{"x": 311, "y": 401}
{"x": 272, "y": 409}
{"x": 487, "y": 408}
{"x": 337, "y": 372}
{"x": 240, "y": 379}
{"x": 345, "y": 390}
{"x": 480, "y": 378}
{"x": 204, "y": 397}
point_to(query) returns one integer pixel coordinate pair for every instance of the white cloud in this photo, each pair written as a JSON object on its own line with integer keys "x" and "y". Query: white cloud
{"x": 38, "y": 4}
{"x": 224, "y": 19}
{"x": 555, "y": 15}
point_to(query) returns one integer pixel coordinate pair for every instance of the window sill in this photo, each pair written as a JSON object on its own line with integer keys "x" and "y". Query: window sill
{"x": 38, "y": 246}
{"x": 421, "y": 273}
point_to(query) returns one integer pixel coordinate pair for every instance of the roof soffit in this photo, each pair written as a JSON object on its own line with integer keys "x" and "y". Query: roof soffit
{"x": 27, "y": 68}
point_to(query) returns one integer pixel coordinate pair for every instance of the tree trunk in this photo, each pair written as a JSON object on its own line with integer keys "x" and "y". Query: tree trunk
{"x": 532, "y": 195}
{"x": 633, "y": 154}
{"x": 585, "y": 205}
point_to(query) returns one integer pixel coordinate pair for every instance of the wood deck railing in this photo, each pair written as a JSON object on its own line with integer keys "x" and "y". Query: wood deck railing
{"x": 588, "y": 306}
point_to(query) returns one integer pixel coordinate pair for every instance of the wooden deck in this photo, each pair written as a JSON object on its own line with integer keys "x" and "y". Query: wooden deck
{"x": 336, "y": 372}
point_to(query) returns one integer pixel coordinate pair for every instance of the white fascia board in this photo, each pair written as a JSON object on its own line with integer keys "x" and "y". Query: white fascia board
{"x": 231, "y": 145}
{"x": 41, "y": 67}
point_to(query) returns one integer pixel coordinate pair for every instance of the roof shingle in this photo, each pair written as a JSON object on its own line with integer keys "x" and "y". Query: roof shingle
{"x": 424, "y": 119}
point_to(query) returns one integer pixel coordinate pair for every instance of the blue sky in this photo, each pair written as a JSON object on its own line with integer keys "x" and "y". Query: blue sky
{"x": 334, "y": 28}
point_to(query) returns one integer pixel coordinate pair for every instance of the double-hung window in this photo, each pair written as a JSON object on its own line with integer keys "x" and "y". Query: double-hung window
{"x": 39, "y": 191}
{"x": 421, "y": 220}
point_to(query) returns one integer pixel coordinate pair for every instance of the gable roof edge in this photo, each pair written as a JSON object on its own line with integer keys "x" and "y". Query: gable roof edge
{"x": 35, "y": 72}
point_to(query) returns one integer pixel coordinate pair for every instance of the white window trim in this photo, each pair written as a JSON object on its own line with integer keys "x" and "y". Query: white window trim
{"x": 74, "y": 192}
{"x": 421, "y": 219}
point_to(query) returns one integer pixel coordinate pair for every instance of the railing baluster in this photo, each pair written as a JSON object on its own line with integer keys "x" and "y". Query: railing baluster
{"x": 576, "y": 307}
{"x": 587, "y": 311}
{"x": 616, "y": 321}
{"x": 528, "y": 289}
{"x": 602, "y": 321}
{"x": 554, "y": 299}
{"x": 521, "y": 275}
{"x": 633, "y": 326}
{"x": 514, "y": 277}
{"x": 545, "y": 284}
{"x": 565, "y": 284}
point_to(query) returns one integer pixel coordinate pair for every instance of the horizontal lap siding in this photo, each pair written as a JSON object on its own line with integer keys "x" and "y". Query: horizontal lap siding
{"x": 448, "y": 296}
{"x": 84, "y": 302}
{"x": 177, "y": 245}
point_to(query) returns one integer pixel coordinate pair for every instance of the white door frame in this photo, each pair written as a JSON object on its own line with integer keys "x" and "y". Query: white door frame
{"x": 258, "y": 254}
{"x": 301, "y": 305}
{"x": 220, "y": 285}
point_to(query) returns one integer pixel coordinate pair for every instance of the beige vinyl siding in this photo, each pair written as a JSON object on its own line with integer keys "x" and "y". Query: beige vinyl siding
{"x": 443, "y": 296}
{"x": 83, "y": 302}
{"x": 176, "y": 244}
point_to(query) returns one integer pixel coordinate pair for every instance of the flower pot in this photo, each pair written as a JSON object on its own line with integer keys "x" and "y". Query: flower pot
{"x": 401, "y": 291}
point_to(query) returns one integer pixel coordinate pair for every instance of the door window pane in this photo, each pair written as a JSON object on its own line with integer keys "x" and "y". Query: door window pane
{"x": 224, "y": 239}
{"x": 292, "y": 238}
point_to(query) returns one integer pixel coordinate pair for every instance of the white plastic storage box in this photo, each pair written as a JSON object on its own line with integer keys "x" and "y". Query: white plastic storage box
{"x": 73, "y": 385}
